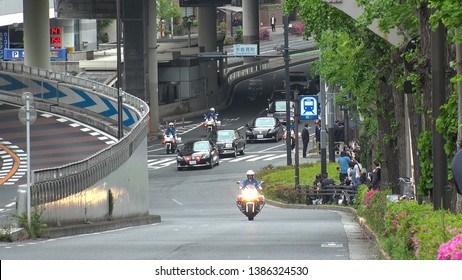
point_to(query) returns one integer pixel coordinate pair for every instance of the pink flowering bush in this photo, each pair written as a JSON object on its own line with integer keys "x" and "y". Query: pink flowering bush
{"x": 368, "y": 198}
{"x": 451, "y": 250}
{"x": 264, "y": 34}
{"x": 297, "y": 29}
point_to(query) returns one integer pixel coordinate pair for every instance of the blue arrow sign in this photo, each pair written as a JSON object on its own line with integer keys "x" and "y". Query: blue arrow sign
{"x": 87, "y": 101}
{"x": 130, "y": 120}
{"x": 308, "y": 107}
{"x": 12, "y": 85}
{"x": 111, "y": 109}
{"x": 52, "y": 91}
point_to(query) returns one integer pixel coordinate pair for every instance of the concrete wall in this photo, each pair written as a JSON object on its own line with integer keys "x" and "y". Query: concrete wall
{"x": 128, "y": 185}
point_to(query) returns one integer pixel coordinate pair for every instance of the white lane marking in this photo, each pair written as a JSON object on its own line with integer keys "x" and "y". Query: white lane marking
{"x": 275, "y": 157}
{"x": 242, "y": 158}
{"x": 261, "y": 157}
{"x": 177, "y": 202}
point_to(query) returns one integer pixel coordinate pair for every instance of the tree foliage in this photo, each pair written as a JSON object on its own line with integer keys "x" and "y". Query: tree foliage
{"x": 362, "y": 64}
{"x": 167, "y": 9}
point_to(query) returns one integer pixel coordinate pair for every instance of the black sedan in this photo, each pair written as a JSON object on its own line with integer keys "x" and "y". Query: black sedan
{"x": 228, "y": 141}
{"x": 198, "y": 153}
{"x": 264, "y": 128}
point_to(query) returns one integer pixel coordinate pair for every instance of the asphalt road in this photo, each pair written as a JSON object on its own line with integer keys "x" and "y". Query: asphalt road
{"x": 200, "y": 220}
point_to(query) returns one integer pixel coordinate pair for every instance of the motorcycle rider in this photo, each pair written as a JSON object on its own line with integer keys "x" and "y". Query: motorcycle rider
{"x": 251, "y": 180}
{"x": 292, "y": 124}
{"x": 171, "y": 130}
{"x": 212, "y": 115}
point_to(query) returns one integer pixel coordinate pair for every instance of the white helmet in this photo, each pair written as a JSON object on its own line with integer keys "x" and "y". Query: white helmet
{"x": 170, "y": 124}
{"x": 292, "y": 119}
{"x": 212, "y": 110}
{"x": 250, "y": 172}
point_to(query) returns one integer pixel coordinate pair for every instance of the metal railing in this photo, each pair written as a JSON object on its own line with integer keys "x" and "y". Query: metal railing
{"x": 52, "y": 184}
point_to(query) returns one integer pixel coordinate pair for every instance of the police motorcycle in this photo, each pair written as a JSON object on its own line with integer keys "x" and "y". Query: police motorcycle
{"x": 292, "y": 138}
{"x": 210, "y": 124}
{"x": 169, "y": 143}
{"x": 250, "y": 202}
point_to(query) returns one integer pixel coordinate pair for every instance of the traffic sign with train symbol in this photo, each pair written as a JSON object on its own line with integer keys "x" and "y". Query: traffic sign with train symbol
{"x": 308, "y": 107}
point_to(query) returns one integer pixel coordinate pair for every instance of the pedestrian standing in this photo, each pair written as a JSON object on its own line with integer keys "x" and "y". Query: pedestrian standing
{"x": 305, "y": 139}
{"x": 273, "y": 23}
{"x": 317, "y": 134}
{"x": 375, "y": 177}
{"x": 344, "y": 162}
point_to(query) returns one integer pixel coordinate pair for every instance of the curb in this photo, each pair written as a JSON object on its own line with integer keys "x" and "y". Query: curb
{"x": 86, "y": 228}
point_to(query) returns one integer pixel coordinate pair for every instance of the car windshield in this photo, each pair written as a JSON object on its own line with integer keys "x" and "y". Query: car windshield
{"x": 196, "y": 146}
{"x": 224, "y": 135}
{"x": 265, "y": 122}
{"x": 280, "y": 106}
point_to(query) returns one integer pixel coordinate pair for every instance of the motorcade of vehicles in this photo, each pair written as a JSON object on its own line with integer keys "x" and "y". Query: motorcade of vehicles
{"x": 196, "y": 153}
{"x": 228, "y": 141}
{"x": 250, "y": 202}
{"x": 264, "y": 128}
{"x": 170, "y": 143}
{"x": 277, "y": 109}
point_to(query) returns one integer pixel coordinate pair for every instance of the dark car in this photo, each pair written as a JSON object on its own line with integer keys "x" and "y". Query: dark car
{"x": 264, "y": 128}
{"x": 198, "y": 153}
{"x": 280, "y": 94}
{"x": 228, "y": 141}
{"x": 277, "y": 109}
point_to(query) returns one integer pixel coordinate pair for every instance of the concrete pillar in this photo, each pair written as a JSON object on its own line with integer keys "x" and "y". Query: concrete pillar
{"x": 36, "y": 33}
{"x": 250, "y": 24}
{"x": 153, "y": 88}
{"x": 208, "y": 28}
{"x": 135, "y": 15}
{"x": 208, "y": 39}
{"x": 68, "y": 33}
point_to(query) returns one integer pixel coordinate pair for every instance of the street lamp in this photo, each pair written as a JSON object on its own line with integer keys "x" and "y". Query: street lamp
{"x": 188, "y": 20}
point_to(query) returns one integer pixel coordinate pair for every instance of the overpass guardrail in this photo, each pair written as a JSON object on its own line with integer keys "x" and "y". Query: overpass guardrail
{"x": 89, "y": 102}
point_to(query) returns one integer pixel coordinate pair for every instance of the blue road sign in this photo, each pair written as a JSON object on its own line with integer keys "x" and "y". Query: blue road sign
{"x": 308, "y": 107}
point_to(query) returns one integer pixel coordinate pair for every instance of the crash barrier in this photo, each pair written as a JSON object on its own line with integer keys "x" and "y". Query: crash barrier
{"x": 332, "y": 194}
{"x": 79, "y": 191}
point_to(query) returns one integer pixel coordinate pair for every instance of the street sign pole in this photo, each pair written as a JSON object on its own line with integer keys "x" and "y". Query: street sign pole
{"x": 287, "y": 87}
{"x": 27, "y": 116}
{"x": 28, "y": 159}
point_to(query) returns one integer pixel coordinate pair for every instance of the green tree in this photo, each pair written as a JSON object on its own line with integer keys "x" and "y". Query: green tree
{"x": 166, "y": 10}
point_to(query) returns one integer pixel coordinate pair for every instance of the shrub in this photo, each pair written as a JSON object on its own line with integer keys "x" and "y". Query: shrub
{"x": 298, "y": 29}
{"x": 452, "y": 250}
{"x": 5, "y": 232}
{"x": 36, "y": 225}
{"x": 264, "y": 34}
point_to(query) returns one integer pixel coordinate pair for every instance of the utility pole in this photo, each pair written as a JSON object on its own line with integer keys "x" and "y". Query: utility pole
{"x": 287, "y": 87}
{"x": 296, "y": 154}
{"x": 323, "y": 125}
{"x": 331, "y": 127}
